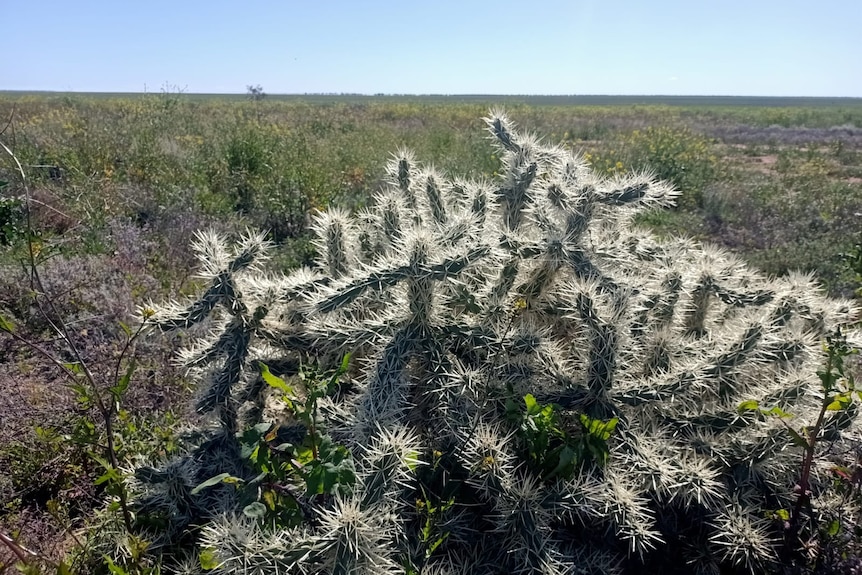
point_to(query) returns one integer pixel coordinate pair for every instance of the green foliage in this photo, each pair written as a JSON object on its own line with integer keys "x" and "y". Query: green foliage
{"x": 12, "y": 220}
{"x": 853, "y": 261}
{"x": 282, "y": 458}
{"x": 677, "y": 155}
{"x": 805, "y": 524}
{"x": 248, "y": 168}
{"x": 594, "y": 441}
{"x": 550, "y": 447}
{"x": 546, "y": 442}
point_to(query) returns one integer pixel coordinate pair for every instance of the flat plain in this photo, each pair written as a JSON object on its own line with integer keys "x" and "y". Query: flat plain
{"x": 119, "y": 183}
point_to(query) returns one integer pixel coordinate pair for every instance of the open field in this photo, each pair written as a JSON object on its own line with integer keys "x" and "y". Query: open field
{"x": 265, "y": 162}
{"x": 532, "y": 100}
{"x": 120, "y": 184}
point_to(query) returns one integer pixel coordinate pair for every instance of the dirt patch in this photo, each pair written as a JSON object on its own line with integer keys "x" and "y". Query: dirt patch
{"x": 763, "y": 164}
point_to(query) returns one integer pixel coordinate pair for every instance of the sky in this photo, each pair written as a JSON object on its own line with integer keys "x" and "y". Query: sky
{"x": 623, "y": 47}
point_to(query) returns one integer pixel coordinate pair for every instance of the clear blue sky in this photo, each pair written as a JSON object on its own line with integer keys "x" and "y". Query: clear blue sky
{"x": 707, "y": 47}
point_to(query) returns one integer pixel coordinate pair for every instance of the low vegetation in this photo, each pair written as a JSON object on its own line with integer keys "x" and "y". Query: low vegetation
{"x": 322, "y": 404}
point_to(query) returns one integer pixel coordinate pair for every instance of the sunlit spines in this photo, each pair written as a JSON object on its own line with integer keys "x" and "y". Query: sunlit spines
{"x": 335, "y": 241}
{"x": 697, "y": 306}
{"x": 389, "y": 462}
{"x": 743, "y": 539}
{"x": 434, "y": 196}
{"x": 212, "y": 253}
{"x": 392, "y": 219}
{"x": 420, "y": 290}
{"x": 501, "y": 129}
{"x": 641, "y": 191}
{"x": 523, "y": 519}
{"x": 515, "y": 194}
{"x": 401, "y": 170}
{"x": 479, "y": 204}
{"x": 485, "y": 451}
{"x": 358, "y": 537}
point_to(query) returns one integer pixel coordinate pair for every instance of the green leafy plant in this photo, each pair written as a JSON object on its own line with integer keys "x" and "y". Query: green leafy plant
{"x": 305, "y": 452}
{"x": 837, "y": 405}
{"x": 676, "y": 155}
{"x": 853, "y": 261}
{"x": 551, "y": 447}
{"x": 11, "y": 219}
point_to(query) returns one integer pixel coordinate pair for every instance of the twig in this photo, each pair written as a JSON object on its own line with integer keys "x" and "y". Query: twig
{"x": 22, "y": 553}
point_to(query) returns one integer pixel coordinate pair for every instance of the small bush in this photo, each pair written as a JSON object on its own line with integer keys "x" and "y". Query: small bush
{"x": 12, "y": 220}
{"x": 676, "y": 155}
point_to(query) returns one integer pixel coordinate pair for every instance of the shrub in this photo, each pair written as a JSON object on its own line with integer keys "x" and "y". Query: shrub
{"x": 793, "y": 222}
{"x": 535, "y": 385}
{"x": 676, "y": 155}
{"x": 12, "y": 220}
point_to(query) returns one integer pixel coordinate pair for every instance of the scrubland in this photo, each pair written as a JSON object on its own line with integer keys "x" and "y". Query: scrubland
{"x": 114, "y": 188}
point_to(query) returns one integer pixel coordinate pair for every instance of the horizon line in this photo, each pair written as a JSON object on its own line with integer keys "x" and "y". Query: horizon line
{"x": 181, "y": 92}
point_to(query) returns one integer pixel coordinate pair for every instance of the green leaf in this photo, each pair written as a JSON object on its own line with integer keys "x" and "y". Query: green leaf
{"x": 598, "y": 428}
{"x": 6, "y": 325}
{"x": 783, "y": 514}
{"x": 126, "y": 329}
{"x": 74, "y": 367}
{"x": 412, "y": 460}
{"x": 532, "y": 405}
{"x": 778, "y": 412}
{"x": 833, "y": 528}
{"x": 118, "y": 390}
{"x": 101, "y": 461}
{"x": 316, "y": 480}
{"x": 220, "y": 478}
{"x": 114, "y": 568}
{"x": 435, "y": 544}
{"x": 63, "y": 569}
{"x": 603, "y": 429}
{"x": 110, "y": 475}
{"x": 273, "y": 380}
{"x": 345, "y": 362}
{"x": 750, "y": 405}
{"x": 333, "y": 381}
{"x": 207, "y": 559}
{"x": 254, "y": 510}
{"x": 270, "y": 499}
{"x": 839, "y": 402}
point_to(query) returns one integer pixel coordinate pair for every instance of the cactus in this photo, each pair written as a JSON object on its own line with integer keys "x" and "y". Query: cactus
{"x": 536, "y": 384}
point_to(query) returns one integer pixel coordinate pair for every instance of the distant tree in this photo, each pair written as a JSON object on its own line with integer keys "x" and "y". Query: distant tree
{"x": 255, "y": 93}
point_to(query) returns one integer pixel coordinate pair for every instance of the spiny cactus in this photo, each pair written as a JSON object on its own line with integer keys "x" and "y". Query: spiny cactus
{"x": 536, "y": 384}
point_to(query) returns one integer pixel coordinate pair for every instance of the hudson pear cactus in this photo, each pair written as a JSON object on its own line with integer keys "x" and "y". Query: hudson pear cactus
{"x": 535, "y": 385}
